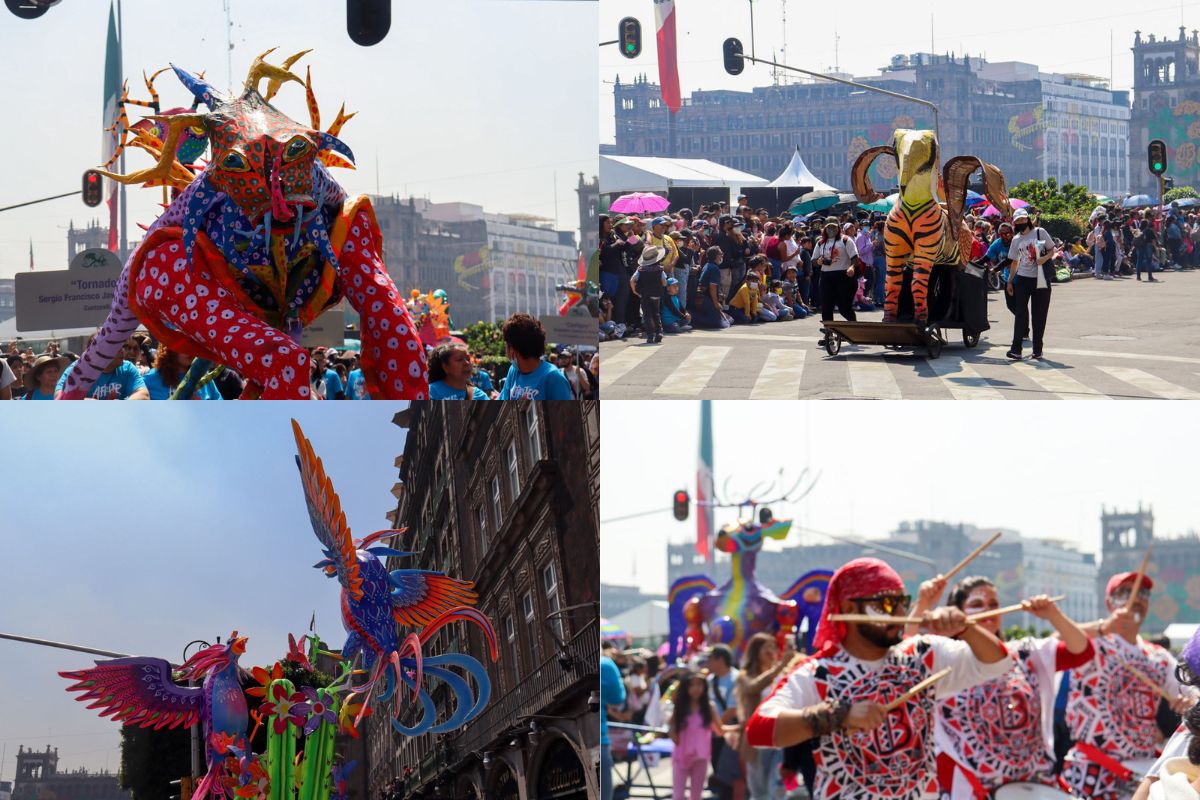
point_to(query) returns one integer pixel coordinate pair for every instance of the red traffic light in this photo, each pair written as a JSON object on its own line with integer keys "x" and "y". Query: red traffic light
{"x": 682, "y": 504}
{"x": 93, "y": 188}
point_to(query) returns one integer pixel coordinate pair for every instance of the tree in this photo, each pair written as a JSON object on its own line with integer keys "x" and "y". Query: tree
{"x": 1050, "y": 198}
{"x": 151, "y": 759}
{"x": 1180, "y": 192}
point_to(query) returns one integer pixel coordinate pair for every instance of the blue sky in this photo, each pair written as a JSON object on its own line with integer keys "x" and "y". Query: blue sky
{"x": 465, "y": 100}
{"x": 137, "y": 528}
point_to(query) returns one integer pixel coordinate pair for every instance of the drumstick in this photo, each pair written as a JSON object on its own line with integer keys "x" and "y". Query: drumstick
{"x": 1146, "y": 679}
{"x": 958, "y": 567}
{"x": 916, "y": 690}
{"x": 1137, "y": 582}
{"x": 997, "y": 612}
{"x": 873, "y": 620}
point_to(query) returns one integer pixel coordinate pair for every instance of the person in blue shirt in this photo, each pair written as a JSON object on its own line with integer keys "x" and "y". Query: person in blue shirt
{"x": 120, "y": 380}
{"x": 529, "y": 376}
{"x": 327, "y": 384}
{"x": 997, "y": 252}
{"x": 706, "y": 305}
{"x": 356, "y": 382}
{"x": 169, "y": 368}
{"x": 483, "y": 379}
{"x": 41, "y": 378}
{"x": 612, "y": 693}
{"x": 450, "y": 374}
{"x": 674, "y": 317}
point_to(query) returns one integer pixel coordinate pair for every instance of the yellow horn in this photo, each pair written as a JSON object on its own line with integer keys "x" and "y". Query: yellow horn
{"x": 276, "y": 76}
{"x": 162, "y": 170}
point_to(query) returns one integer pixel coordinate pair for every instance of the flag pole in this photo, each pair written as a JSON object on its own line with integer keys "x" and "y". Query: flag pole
{"x": 121, "y": 69}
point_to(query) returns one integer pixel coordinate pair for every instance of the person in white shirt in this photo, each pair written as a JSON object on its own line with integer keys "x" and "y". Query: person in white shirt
{"x": 1031, "y": 250}
{"x": 836, "y": 257}
{"x": 1176, "y": 774}
{"x": 839, "y": 696}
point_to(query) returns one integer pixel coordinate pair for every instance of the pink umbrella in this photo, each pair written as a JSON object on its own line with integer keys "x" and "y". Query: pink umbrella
{"x": 992, "y": 211}
{"x": 640, "y": 203}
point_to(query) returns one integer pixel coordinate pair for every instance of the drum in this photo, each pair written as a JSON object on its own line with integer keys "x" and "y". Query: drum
{"x": 1030, "y": 791}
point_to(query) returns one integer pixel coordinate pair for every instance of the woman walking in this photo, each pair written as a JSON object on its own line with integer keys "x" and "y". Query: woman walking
{"x": 761, "y": 666}
{"x": 1029, "y": 284}
{"x": 836, "y": 256}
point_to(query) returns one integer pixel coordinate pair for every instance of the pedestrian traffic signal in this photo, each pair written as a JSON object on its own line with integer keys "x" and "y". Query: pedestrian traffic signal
{"x": 368, "y": 21}
{"x": 1158, "y": 156}
{"x": 93, "y": 188}
{"x": 734, "y": 62}
{"x": 682, "y": 505}
{"x": 629, "y": 36}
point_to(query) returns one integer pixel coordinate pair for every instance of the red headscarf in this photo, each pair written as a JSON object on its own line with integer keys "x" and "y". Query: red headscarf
{"x": 862, "y": 577}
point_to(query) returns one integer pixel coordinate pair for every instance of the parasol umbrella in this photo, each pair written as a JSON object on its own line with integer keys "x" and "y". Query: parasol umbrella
{"x": 992, "y": 211}
{"x": 809, "y": 202}
{"x": 609, "y": 630}
{"x": 1101, "y": 198}
{"x": 1186, "y": 202}
{"x": 882, "y": 204}
{"x": 1138, "y": 201}
{"x": 640, "y": 203}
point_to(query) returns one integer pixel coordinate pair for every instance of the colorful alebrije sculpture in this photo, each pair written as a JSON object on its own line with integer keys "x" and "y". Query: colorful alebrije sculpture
{"x": 919, "y": 230}
{"x": 254, "y": 247}
{"x": 742, "y": 606}
{"x": 375, "y": 600}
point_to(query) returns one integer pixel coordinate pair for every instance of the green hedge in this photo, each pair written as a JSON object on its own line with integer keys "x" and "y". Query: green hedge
{"x": 1062, "y": 226}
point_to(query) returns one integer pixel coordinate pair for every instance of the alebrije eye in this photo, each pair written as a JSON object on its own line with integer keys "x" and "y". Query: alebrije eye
{"x": 295, "y": 148}
{"x": 234, "y": 162}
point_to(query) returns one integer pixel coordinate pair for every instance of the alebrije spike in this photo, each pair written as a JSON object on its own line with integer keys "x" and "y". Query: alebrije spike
{"x": 341, "y": 119}
{"x": 332, "y": 159}
{"x": 274, "y": 84}
{"x": 314, "y": 112}
{"x": 200, "y": 88}
{"x": 327, "y": 141}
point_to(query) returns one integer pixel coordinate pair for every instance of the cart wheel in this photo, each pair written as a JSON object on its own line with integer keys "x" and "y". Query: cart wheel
{"x": 935, "y": 342}
{"x": 970, "y": 338}
{"x": 833, "y": 343}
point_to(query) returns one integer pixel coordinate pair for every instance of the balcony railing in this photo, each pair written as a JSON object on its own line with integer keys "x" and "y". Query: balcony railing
{"x": 532, "y": 693}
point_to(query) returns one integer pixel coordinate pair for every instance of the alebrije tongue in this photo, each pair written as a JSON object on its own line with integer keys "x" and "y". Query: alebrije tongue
{"x": 1191, "y": 656}
{"x": 279, "y": 207}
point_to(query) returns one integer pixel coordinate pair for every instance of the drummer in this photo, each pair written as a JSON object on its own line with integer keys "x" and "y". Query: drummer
{"x": 1110, "y": 710}
{"x": 837, "y": 697}
{"x": 1002, "y": 731}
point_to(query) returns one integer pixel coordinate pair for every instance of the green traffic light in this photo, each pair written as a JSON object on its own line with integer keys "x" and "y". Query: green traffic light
{"x": 629, "y": 48}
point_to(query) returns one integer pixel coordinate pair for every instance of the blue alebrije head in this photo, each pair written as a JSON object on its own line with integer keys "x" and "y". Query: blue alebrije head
{"x": 1191, "y": 656}
{"x": 200, "y": 88}
{"x": 327, "y": 141}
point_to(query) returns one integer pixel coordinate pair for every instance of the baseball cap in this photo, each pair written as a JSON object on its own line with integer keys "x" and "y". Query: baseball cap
{"x": 672, "y": 282}
{"x": 1126, "y": 577}
{"x": 659, "y": 221}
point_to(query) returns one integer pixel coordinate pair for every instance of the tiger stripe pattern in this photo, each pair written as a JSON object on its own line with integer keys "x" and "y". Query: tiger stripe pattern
{"x": 922, "y": 235}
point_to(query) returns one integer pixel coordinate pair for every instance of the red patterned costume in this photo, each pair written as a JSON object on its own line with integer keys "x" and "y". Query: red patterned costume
{"x": 896, "y": 760}
{"x": 1002, "y": 731}
{"x": 1111, "y": 713}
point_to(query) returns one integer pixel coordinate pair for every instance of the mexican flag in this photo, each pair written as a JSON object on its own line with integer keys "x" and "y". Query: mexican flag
{"x": 668, "y": 64}
{"x": 112, "y": 97}
{"x": 704, "y": 484}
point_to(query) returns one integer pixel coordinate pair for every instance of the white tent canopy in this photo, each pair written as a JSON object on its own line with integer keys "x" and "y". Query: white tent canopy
{"x": 647, "y": 621}
{"x": 797, "y": 173}
{"x": 1180, "y": 633}
{"x": 622, "y": 174}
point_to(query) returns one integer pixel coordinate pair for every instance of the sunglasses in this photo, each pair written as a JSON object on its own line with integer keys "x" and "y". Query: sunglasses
{"x": 1121, "y": 595}
{"x": 888, "y": 603}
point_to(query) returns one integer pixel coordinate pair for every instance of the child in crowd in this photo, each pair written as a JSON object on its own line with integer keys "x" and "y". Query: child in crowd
{"x": 692, "y": 725}
{"x": 791, "y": 299}
{"x": 647, "y": 283}
{"x": 675, "y": 317}
{"x": 608, "y": 327}
{"x": 773, "y": 302}
{"x": 745, "y": 305}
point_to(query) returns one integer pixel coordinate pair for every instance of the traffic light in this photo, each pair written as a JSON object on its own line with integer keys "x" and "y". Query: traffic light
{"x": 368, "y": 21}
{"x": 93, "y": 188}
{"x": 682, "y": 504}
{"x": 734, "y": 63}
{"x": 1158, "y": 156}
{"x": 629, "y": 36}
{"x": 30, "y": 9}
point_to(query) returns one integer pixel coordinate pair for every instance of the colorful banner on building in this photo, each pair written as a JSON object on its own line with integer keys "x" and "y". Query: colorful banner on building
{"x": 472, "y": 263}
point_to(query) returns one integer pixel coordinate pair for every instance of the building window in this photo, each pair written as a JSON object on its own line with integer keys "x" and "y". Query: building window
{"x": 550, "y": 581}
{"x": 531, "y": 433}
{"x": 527, "y": 607}
{"x": 514, "y": 475}
{"x": 510, "y": 633}
{"x": 481, "y": 515}
{"x": 496, "y": 506}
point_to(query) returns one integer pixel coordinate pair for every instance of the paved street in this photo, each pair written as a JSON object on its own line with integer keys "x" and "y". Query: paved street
{"x": 1118, "y": 339}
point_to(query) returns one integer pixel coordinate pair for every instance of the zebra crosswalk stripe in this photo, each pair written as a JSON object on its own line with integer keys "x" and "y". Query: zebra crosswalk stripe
{"x": 1151, "y": 383}
{"x": 691, "y": 376}
{"x": 873, "y": 379}
{"x": 963, "y": 381}
{"x": 780, "y": 376}
{"x": 619, "y": 365}
{"x": 1053, "y": 379}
